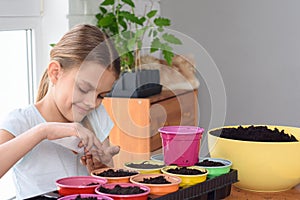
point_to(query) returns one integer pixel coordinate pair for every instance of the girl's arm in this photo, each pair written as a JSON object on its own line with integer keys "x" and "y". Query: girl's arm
{"x": 14, "y": 148}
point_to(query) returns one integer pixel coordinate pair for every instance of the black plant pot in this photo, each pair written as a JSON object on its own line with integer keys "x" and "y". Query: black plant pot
{"x": 139, "y": 84}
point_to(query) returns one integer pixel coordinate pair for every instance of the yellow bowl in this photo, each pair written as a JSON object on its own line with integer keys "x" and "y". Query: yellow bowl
{"x": 262, "y": 166}
{"x": 158, "y": 189}
{"x": 187, "y": 180}
{"x": 145, "y": 170}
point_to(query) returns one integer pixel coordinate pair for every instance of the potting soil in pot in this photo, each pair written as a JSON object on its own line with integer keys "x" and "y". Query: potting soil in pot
{"x": 156, "y": 180}
{"x": 185, "y": 171}
{"x": 144, "y": 165}
{"x": 254, "y": 133}
{"x": 209, "y": 163}
{"x": 115, "y": 173}
{"x": 122, "y": 190}
{"x": 85, "y": 198}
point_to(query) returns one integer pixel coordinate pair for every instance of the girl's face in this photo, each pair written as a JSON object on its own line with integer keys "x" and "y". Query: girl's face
{"x": 81, "y": 89}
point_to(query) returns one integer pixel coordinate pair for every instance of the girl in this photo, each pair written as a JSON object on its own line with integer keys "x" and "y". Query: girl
{"x": 82, "y": 69}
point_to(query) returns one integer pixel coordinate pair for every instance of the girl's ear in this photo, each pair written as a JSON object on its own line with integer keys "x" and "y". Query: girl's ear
{"x": 54, "y": 70}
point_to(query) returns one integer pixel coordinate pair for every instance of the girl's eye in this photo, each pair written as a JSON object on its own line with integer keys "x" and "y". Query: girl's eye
{"x": 83, "y": 91}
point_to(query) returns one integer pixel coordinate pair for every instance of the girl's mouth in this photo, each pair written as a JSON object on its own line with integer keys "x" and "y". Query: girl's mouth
{"x": 80, "y": 109}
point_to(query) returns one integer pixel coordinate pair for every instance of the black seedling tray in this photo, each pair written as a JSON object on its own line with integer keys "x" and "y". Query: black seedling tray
{"x": 211, "y": 189}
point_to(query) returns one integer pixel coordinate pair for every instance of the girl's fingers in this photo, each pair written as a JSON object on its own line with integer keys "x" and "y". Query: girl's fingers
{"x": 96, "y": 156}
{"x": 113, "y": 150}
{"x": 89, "y": 163}
{"x": 83, "y": 160}
{"x": 97, "y": 143}
{"x": 80, "y": 144}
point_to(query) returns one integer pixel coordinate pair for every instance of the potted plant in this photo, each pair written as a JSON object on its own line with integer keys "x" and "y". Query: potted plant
{"x": 130, "y": 32}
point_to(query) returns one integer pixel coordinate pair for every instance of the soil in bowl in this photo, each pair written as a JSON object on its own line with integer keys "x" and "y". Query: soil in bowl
{"x": 156, "y": 180}
{"x": 185, "y": 171}
{"x": 85, "y": 198}
{"x": 144, "y": 165}
{"x": 254, "y": 133}
{"x": 115, "y": 173}
{"x": 120, "y": 190}
{"x": 93, "y": 183}
{"x": 209, "y": 163}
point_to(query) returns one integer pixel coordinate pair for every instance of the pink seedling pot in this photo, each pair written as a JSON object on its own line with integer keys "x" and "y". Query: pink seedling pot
{"x": 73, "y": 196}
{"x": 79, "y": 185}
{"x": 141, "y": 196}
{"x": 181, "y": 144}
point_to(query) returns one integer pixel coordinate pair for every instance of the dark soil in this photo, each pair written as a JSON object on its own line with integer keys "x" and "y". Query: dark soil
{"x": 156, "y": 180}
{"x": 185, "y": 171}
{"x": 209, "y": 163}
{"x": 254, "y": 133}
{"x": 144, "y": 165}
{"x": 116, "y": 173}
{"x": 90, "y": 184}
{"x": 122, "y": 190}
{"x": 85, "y": 198}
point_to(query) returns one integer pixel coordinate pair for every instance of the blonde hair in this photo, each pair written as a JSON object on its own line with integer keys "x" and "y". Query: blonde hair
{"x": 82, "y": 43}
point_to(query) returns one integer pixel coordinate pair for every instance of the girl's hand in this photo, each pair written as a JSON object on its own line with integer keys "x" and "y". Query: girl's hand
{"x": 56, "y": 130}
{"x": 95, "y": 159}
{"x": 91, "y": 163}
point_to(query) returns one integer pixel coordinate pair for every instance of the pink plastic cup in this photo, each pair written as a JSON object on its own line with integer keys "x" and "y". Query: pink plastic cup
{"x": 181, "y": 144}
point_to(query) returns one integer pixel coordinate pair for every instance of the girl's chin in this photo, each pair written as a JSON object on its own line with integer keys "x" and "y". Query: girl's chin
{"x": 76, "y": 117}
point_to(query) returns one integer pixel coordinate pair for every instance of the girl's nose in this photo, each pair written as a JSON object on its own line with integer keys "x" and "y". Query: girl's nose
{"x": 92, "y": 101}
{"x": 89, "y": 100}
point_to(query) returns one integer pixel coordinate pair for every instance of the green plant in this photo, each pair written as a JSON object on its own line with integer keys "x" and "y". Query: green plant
{"x": 117, "y": 18}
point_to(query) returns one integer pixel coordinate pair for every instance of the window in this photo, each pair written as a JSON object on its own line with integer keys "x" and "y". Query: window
{"x": 16, "y": 82}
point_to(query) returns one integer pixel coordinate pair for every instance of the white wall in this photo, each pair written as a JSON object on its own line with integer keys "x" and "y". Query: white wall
{"x": 256, "y": 46}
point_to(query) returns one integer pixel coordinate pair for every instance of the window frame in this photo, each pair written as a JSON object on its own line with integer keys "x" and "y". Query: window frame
{"x": 17, "y": 15}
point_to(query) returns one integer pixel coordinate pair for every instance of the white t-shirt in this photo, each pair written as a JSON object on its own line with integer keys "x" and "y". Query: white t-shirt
{"x": 38, "y": 170}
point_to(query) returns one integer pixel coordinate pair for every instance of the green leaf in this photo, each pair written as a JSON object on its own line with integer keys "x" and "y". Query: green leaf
{"x": 142, "y": 20}
{"x": 118, "y": 7}
{"x": 160, "y": 29}
{"x": 106, "y": 21}
{"x": 108, "y": 2}
{"x": 129, "y": 2}
{"x": 113, "y": 28}
{"x": 152, "y": 13}
{"x": 154, "y": 33}
{"x": 103, "y": 10}
{"x": 150, "y": 33}
{"x": 162, "y": 22}
{"x": 139, "y": 44}
{"x": 168, "y": 55}
{"x": 155, "y": 45}
{"x": 129, "y": 16}
{"x": 126, "y": 34}
{"x": 171, "y": 38}
{"x": 131, "y": 44}
{"x": 99, "y": 16}
{"x": 52, "y": 45}
{"x": 122, "y": 23}
{"x": 140, "y": 32}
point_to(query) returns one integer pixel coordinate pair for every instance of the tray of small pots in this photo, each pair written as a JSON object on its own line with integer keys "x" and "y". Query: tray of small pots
{"x": 174, "y": 182}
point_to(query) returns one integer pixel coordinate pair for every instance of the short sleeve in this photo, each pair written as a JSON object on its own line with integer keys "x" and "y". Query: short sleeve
{"x": 100, "y": 122}
{"x": 14, "y": 122}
